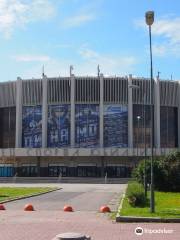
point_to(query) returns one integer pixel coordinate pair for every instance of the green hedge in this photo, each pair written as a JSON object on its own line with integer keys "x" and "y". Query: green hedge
{"x": 135, "y": 194}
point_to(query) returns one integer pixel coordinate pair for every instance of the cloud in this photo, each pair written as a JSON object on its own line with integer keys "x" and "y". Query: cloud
{"x": 84, "y": 59}
{"x": 166, "y": 36}
{"x": 87, "y": 12}
{"x": 31, "y": 58}
{"x": 84, "y": 65}
{"x": 18, "y": 13}
{"x": 78, "y": 20}
{"x": 110, "y": 64}
{"x": 160, "y": 50}
{"x": 166, "y": 49}
{"x": 169, "y": 28}
{"x": 60, "y": 67}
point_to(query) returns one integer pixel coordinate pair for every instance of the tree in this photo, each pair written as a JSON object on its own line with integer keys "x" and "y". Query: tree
{"x": 166, "y": 172}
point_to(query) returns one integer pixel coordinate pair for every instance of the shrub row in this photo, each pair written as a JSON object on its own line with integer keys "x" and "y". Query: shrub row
{"x": 135, "y": 194}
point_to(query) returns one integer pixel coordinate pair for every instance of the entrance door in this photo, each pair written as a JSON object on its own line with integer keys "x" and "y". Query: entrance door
{"x": 29, "y": 171}
{"x": 56, "y": 171}
{"x": 117, "y": 171}
{"x": 87, "y": 171}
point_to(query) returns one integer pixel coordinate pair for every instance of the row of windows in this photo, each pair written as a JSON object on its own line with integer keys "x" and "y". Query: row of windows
{"x": 64, "y": 171}
{"x": 87, "y": 128}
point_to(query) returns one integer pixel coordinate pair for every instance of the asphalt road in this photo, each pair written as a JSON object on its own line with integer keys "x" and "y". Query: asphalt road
{"x": 82, "y": 197}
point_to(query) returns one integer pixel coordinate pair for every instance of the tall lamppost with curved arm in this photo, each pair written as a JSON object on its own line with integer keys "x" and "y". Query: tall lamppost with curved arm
{"x": 149, "y": 21}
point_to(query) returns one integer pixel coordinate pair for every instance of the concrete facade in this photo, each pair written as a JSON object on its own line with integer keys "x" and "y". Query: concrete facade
{"x": 99, "y": 90}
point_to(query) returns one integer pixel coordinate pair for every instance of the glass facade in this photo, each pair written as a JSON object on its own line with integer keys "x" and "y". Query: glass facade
{"x": 59, "y": 125}
{"x": 87, "y": 125}
{"x": 118, "y": 171}
{"x": 7, "y": 127}
{"x": 115, "y": 126}
{"x": 32, "y": 126}
{"x": 141, "y": 125}
{"x": 169, "y": 126}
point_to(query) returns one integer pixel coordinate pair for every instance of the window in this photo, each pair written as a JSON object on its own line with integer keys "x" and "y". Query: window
{"x": 168, "y": 127}
{"x": 7, "y": 127}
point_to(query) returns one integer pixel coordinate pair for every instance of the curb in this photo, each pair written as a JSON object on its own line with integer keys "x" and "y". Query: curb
{"x": 121, "y": 203}
{"x": 29, "y": 196}
{"x": 131, "y": 219}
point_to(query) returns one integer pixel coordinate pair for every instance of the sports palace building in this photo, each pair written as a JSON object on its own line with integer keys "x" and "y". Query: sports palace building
{"x": 84, "y": 126}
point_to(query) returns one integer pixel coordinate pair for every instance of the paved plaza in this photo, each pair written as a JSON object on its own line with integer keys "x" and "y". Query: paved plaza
{"x": 49, "y": 220}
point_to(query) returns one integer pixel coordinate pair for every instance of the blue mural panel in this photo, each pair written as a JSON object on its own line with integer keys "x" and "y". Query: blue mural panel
{"x": 32, "y": 126}
{"x": 59, "y": 125}
{"x": 115, "y": 126}
{"x": 87, "y": 125}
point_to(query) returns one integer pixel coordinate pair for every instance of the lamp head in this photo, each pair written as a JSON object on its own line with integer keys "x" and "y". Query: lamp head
{"x": 149, "y": 18}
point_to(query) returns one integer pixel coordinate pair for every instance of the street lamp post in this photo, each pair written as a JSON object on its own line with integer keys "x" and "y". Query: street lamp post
{"x": 138, "y": 119}
{"x": 133, "y": 86}
{"x": 145, "y": 167}
{"x": 149, "y": 21}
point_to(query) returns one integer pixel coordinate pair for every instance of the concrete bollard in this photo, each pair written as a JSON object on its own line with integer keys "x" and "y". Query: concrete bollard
{"x": 68, "y": 208}
{"x": 71, "y": 236}
{"x": 105, "y": 209}
{"x": 29, "y": 207}
{"x": 2, "y": 207}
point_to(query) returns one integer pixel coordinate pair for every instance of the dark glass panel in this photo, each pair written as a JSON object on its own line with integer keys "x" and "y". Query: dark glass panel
{"x": 141, "y": 125}
{"x": 169, "y": 127}
{"x": 7, "y": 127}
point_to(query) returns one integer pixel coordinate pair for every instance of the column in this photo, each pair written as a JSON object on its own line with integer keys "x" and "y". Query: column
{"x": 101, "y": 111}
{"x": 44, "y": 111}
{"x": 72, "y": 77}
{"x": 18, "y": 113}
{"x": 157, "y": 135}
{"x": 130, "y": 113}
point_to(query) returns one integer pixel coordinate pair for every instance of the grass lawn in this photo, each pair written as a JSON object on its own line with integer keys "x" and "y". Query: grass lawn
{"x": 167, "y": 205}
{"x": 8, "y": 193}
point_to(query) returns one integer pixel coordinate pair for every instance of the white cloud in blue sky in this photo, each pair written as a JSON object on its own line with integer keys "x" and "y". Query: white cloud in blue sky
{"x": 18, "y": 13}
{"x": 31, "y": 58}
{"x": 78, "y": 20}
{"x": 168, "y": 28}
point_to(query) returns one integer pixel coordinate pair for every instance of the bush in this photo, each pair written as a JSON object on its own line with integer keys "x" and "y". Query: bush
{"x": 166, "y": 172}
{"x": 135, "y": 194}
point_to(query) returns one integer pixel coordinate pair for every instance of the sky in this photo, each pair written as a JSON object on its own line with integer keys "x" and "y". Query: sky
{"x": 85, "y": 33}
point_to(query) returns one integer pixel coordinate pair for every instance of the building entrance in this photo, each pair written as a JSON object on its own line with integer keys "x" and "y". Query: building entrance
{"x": 118, "y": 171}
{"x": 56, "y": 171}
{"x": 29, "y": 171}
{"x": 87, "y": 171}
